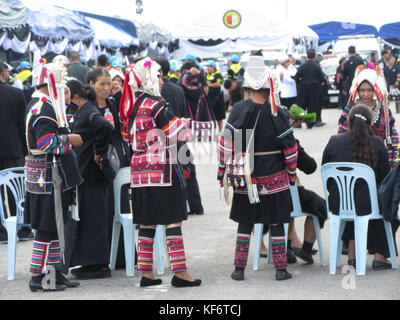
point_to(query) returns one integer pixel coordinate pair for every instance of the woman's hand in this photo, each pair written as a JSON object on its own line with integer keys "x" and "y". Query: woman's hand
{"x": 97, "y": 159}
{"x": 75, "y": 140}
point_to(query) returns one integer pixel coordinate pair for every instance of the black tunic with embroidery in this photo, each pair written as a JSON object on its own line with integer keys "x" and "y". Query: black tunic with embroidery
{"x": 272, "y": 172}
{"x": 44, "y": 135}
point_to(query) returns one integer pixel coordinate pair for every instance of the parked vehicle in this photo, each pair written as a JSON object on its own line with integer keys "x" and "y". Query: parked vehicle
{"x": 330, "y": 96}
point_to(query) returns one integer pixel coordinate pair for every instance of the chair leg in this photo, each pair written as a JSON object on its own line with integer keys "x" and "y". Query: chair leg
{"x": 258, "y": 229}
{"x": 319, "y": 239}
{"x": 340, "y": 243}
{"x": 12, "y": 248}
{"x": 286, "y": 227}
{"x": 114, "y": 243}
{"x": 361, "y": 235}
{"x": 129, "y": 247}
{"x": 334, "y": 239}
{"x": 389, "y": 236}
{"x": 159, "y": 248}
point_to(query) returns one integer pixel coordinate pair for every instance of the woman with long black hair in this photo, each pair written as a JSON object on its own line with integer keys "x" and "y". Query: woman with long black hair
{"x": 88, "y": 242}
{"x": 361, "y": 146}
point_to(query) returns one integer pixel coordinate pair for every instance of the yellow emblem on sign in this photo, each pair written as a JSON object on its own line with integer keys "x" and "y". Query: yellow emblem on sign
{"x": 232, "y": 19}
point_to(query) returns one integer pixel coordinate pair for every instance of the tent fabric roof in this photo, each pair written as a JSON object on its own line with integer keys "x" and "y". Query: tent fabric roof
{"x": 252, "y": 25}
{"x": 332, "y": 30}
{"x": 390, "y": 31}
{"x": 56, "y": 23}
{"x": 12, "y": 14}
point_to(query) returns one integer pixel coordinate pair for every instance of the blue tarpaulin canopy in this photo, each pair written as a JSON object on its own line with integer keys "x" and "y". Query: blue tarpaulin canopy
{"x": 390, "y": 31}
{"x": 126, "y": 25}
{"x": 56, "y": 23}
{"x": 331, "y": 31}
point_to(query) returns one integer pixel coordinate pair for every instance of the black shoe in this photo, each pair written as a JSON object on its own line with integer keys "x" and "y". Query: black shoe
{"x": 25, "y": 234}
{"x": 351, "y": 262}
{"x": 77, "y": 271}
{"x": 196, "y": 213}
{"x": 147, "y": 282}
{"x": 62, "y": 280}
{"x": 180, "y": 283}
{"x": 319, "y": 124}
{"x": 305, "y": 256}
{"x": 314, "y": 251}
{"x": 282, "y": 275}
{"x": 295, "y": 250}
{"x": 381, "y": 265}
{"x": 291, "y": 258}
{"x": 237, "y": 275}
{"x": 94, "y": 274}
{"x": 35, "y": 284}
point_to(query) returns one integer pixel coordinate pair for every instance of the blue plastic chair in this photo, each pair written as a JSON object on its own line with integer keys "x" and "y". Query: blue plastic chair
{"x": 14, "y": 179}
{"x": 345, "y": 174}
{"x": 126, "y": 221}
{"x": 298, "y": 212}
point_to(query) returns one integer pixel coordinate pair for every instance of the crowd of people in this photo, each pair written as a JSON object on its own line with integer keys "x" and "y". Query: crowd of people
{"x": 115, "y": 108}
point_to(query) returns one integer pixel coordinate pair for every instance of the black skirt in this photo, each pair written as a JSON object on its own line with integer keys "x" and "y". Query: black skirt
{"x": 39, "y": 210}
{"x": 160, "y": 205}
{"x": 272, "y": 209}
{"x": 88, "y": 241}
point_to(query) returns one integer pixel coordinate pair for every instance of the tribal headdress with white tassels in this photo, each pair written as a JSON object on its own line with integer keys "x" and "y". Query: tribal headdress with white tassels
{"x": 258, "y": 76}
{"x": 374, "y": 76}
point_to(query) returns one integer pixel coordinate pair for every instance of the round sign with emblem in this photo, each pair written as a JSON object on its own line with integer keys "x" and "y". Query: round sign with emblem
{"x": 232, "y": 19}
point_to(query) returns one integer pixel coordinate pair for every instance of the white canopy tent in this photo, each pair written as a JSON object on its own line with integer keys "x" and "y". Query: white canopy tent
{"x": 255, "y": 31}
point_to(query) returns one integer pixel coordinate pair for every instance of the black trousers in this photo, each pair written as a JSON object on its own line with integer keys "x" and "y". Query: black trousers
{"x": 288, "y": 102}
{"x": 309, "y": 98}
{"x": 193, "y": 191}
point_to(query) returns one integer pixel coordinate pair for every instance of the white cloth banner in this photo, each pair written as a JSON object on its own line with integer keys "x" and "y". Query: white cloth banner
{"x": 14, "y": 44}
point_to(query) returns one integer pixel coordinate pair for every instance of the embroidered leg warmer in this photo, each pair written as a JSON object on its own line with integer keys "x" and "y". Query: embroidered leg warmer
{"x": 54, "y": 257}
{"x": 39, "y": 256}
{"x": 176, "y": 250}
{"x": 242, "y": 246}
{"x": 278, "y": 247}
{"x": 145, "y": 250}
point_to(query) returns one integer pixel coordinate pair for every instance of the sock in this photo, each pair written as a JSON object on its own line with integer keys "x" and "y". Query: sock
{"x": 38, "y": 256}
{"x": 176, "y": 250}
{"x": 145, "y": 250}
{"x": 241, "y": 251}
{"x": 278, "y": 247}
{"x": 54, "y": 258}
{"x": 289, "y": 245}
{"x": 307, "y": 247}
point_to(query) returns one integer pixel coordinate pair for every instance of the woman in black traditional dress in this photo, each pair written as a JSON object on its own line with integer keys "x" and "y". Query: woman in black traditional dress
{"x": 359, "y": 145}
{"x": 46, "y": 204}
{"x": 157, "y": 179}
{"x": 266, "y": 199}
{"x": 88, "y": 239}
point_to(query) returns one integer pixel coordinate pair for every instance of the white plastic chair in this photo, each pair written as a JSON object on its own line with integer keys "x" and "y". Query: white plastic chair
{"x": 345, "y": 174}
{"x": 14, "y": 179}
{"x": 126, "y": 221}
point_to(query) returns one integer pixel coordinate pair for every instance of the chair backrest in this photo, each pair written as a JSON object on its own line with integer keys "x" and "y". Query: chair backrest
{"x": 122, "y": 178}
{"x": 346, "y": 174}
{"x": 297, "y": 210}
{"x": 14, "y": 179}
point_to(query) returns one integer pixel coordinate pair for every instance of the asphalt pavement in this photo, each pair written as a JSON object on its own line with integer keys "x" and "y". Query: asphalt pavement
{"x": 209, "y": 241}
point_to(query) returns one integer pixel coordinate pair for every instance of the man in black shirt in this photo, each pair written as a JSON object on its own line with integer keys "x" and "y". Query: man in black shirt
{"x": 309, "y": 79}
{"x": 350, "y": 67}
{"x": 12, "y": 142}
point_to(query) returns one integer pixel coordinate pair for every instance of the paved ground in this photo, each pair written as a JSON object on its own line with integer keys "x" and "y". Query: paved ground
{"x": 210, "y": 242}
